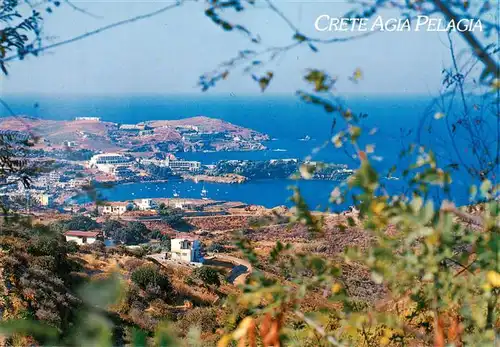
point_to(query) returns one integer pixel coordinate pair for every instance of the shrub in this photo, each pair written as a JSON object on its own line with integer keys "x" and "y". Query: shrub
{"x": 166, "y": 244}
{"x": 207, "y": 275}
{"x": 149, "y": 275}
{"x": 131, "y": 234}
{"x": 80, "y": 222}
{"x": 131, "y": 264}
{"x": 71, "y": 247}
{"x": 203, "y": 317}
{"x": 110, "y": 226}
{"x": 170, "y": 215}
{"x": 96, "y": 247}
{"x": 44, "y": 245}
{"x": 216, "y": 248}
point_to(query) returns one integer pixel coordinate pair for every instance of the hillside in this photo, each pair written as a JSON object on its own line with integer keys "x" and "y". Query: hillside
{"x": 190, "y": 134}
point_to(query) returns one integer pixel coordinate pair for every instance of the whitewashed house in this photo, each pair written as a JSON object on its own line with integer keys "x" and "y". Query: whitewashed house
{"x": 144, "y": 204}
{"x": 83, "y": 237}
{"x": 115, "y": 208}
{"x": 186, "y": 249}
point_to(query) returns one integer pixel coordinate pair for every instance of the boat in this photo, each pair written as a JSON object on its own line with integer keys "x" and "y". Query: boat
{"x": 305, "y": 138}
{"x": 204, "y": 193}
{"x": 176, "y": 195}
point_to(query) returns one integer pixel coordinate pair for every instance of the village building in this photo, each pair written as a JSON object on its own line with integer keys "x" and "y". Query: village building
{"x": 115, "y": 208}
{"x": 107, "y": 162}
{"x": 144, "y": 204}
{"x": 93, "y": 119}
{"x": 134, "y": 127}
{"x": 83, "y": 237}
{"x": 186, "y": 249}
{"x": 69, "y": 144}
{"x": 176, "y": 165}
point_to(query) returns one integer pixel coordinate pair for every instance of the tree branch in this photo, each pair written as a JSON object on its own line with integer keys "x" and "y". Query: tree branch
{"x": 319, "y": 329}
{"x": 476, "y": 46}
{"x": 99, "y": 30}
{"x": 451, "y": 208}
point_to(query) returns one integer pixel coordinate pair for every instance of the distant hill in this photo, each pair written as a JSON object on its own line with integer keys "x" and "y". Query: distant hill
{"x": 190, "y": 134}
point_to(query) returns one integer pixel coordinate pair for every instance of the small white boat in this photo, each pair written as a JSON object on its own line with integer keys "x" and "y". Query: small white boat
{"x": 204, "y": 193}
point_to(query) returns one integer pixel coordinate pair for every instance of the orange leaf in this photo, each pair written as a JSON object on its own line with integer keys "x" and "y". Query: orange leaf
{"x": 439, "y": 340}
{"x": 362, "y": 155}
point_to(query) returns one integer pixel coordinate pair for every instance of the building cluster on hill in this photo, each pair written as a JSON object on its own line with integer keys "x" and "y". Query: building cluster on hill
{"x": 123, "y": 166}
{"x": 93, "y": 119}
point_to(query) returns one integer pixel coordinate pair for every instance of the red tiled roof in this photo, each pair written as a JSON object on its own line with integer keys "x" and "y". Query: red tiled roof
{"x": 79, "y": 233}
{"x": 116, "y": 203}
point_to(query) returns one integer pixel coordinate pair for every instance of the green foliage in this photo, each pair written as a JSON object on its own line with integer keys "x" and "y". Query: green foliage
{"x": 207, "y": 275}
{"x": 166, "y": 243}
{"x": 132, "y": 233}
{"x": 110, "y": 227}
{"x": 18, "y": 31}
{"x": 427, "y": 265}
{"x": 36, "y": 280}
{"x": 216, "y": 248}
{"x": 149, "y": 275}
{"x": 80, "y": 222}
{"x": 441, "y": 274}
{"x": 170, "y": 215}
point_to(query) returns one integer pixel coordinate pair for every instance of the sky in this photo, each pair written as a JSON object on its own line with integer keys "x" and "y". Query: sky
{"x": 167, "y": 53}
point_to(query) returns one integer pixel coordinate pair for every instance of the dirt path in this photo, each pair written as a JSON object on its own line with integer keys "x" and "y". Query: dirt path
{"x": 239, "y": 272}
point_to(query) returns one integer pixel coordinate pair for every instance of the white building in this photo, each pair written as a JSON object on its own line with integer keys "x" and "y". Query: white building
{"x": 115, "y": 208}
{"x": 182, "y": 165}
{"x": 45, "y": 199}
{"x": 79, "y": 182}
{"x": 176, "y": 165}
{"x": 106, "y": 162}
{"x": 134, "y": 127}
{"x": 144, "y": 204}
{"x": 187, "y": 127}
{"x": 69, "y": 144}
{"x": 94, "y": 119}
{"x": 83, "y": 237}
{"x": 186, "y": 249}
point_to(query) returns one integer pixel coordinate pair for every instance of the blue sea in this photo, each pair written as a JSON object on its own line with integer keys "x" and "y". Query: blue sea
{"x": 399, "y": 121}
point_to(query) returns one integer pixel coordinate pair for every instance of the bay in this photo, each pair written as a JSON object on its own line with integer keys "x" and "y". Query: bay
{"x": 399, "y": 122}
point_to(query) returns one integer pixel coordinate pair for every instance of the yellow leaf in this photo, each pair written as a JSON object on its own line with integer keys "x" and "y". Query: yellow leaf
{"x": 495, "y": 84}
{"x": 370, "y": 148}
{"x": 336, "y": 288}
{"x": 224, "y": 341}
{"x": 337, "y": 140}
{"x": 377, "y": 207}
{"x": 493, "y": 278}
{"x": 384, "y": 341}
{"x": 357, "y": 74}
{"x": 242, "y": 328}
